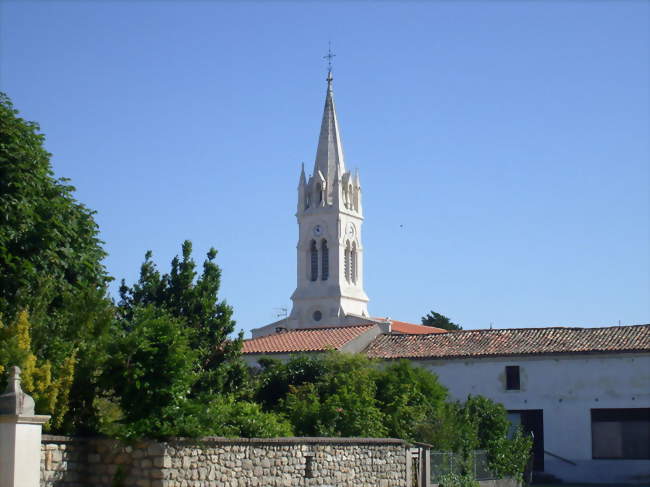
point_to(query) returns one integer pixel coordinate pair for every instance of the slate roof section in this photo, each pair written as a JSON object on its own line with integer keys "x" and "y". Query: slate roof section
{"x": 514, "y": 341}
{"x": 305, "y": 340}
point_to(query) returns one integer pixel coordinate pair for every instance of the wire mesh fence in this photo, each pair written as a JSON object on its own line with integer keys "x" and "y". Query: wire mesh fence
{"x": 444, "y": 462}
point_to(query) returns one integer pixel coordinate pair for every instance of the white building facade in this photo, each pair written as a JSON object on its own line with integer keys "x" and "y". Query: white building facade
{"x": 584, "y": 393}
{"x": 579, "y": 408}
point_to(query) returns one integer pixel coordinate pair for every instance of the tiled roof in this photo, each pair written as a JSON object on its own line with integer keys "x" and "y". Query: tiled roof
{"x": 305, "y": 340}
{"x": 413, "y": 329}
{"x": 521, "y": 341}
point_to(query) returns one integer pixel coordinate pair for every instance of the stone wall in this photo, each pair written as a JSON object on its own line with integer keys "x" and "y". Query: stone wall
{"x": 84, "y": 462}
{"x": 212, "y": 462}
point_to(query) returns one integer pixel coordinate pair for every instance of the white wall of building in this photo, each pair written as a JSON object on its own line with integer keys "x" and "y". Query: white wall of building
{"x": 566, "y": 388}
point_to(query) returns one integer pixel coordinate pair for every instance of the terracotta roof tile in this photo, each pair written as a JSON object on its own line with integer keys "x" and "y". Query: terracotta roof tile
{"x": 519, "y": 341}
{"x": 413, "y": 329}
{"x": 305, "y": 340}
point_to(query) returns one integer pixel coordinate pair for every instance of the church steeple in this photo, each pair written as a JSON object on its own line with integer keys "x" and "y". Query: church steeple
{"x": 329, "y": 154}
{"x": 329, "y": 290}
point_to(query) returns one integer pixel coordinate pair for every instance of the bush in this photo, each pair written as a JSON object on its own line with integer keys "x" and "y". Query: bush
{"x": 457, "y": 480}
{"x": 509, "y": 457}
{"x": 408, "y": 396}
{"x": 246, "y": 419}
{"x": 339, "y": 403}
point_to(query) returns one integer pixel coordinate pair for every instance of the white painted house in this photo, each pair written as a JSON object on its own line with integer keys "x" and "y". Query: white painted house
{"x": 583, "y": 392}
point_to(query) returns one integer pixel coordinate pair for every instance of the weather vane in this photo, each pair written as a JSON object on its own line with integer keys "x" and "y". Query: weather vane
{"x": 329, "y": 56}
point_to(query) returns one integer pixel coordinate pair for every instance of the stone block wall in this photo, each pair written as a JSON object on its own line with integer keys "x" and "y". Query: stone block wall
{"x": 221, "y": 462}
{"x": 84, "y": 462}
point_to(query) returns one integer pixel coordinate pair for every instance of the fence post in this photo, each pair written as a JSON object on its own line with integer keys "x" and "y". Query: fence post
{"x": 20, "y": 436}
{"x": 426, "y": 466}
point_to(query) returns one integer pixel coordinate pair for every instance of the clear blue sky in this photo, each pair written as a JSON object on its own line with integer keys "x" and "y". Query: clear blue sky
{"x": 503, "y": 146}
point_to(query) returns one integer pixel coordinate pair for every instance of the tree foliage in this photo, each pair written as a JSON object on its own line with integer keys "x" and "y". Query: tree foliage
{"x": 339, "y": 403}
{"x": 480, "y": 424}
{"x": 49, "y": 386}
{"x": 276, "y": 378}
{"x": 348, "y": 395}
{"x": 152, "y": 371}
{"x": 49, "y": 245}
{"x": 50, "y": 265}
{"x": 408, "y": 396}
{"x": 193, "y": 299}
{"x": 439, "y": 321}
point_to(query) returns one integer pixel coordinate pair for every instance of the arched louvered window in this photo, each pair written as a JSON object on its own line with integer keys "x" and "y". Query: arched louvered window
{"x": 346, "y": 261}
{"x": 319, "y": 193}
{"x": 313, "y": 259}
{"x": 325, "y": 261}
{"x": 353, "y": 263}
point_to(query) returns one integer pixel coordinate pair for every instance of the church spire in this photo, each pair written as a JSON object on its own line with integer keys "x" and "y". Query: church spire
{"x": 329, "y": 155}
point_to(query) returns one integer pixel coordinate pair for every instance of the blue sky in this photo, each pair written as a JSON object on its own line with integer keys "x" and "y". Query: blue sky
{"x": 503, "y": 146}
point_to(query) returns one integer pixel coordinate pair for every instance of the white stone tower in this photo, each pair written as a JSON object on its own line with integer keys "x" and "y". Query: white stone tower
{"x": 329, "y": 288}
{"x": 330, "y": 253}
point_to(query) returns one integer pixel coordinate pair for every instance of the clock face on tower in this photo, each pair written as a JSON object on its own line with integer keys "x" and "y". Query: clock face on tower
{"x": 317, "y": 231}
{"x": 350, "y": 231}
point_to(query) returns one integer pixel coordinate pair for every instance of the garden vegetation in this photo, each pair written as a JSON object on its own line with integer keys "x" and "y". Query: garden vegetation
{"x": 163, "y": 360}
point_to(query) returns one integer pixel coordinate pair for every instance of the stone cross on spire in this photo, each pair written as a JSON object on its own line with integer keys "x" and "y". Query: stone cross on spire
{"x": 329, "y": 56}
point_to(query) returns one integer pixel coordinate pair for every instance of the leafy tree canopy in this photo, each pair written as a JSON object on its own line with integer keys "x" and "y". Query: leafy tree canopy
{"x": 151, "y": 373}
{"x": 49, "y": 244}
{"x": 409, "y": 396}
{"x": 191, "y": 298}
{"x": 340, "y": 403}
{"x": 51, "y": 267}
{"x": 49, "y": 386}
{"x": 439, "y": 321}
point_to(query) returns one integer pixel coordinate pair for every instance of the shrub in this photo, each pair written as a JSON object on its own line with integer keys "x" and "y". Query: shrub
{"x": 457, "y": 480}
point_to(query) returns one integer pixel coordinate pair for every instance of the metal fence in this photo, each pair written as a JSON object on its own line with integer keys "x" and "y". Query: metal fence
{"x": 444, "y": 462}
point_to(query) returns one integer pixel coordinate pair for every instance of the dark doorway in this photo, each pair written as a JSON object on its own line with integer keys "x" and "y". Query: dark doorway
{"x": 531, "y": 422}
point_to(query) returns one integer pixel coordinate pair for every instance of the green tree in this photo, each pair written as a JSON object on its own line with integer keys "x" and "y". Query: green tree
{"x": 480, "y": 423}
{"x": 506, "y": 456}
{"x": 439, "y": 321}
{"x": 192, "y": 298}
{"x": 51, "y": 263}
{"x": 151, "y": 370}
{"x": 50, "y": 387}
{"x": 328, "y": 395}
{"x": 408, "y": 397}
{"x": 275, "y": 379}
{"x": 49, "y": 245}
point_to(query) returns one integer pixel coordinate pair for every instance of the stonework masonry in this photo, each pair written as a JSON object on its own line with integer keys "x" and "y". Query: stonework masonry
{"x": 221, "y": 462}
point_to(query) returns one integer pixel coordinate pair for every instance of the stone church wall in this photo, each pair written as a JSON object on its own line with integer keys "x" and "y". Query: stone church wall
{"x": 212, "y": 462}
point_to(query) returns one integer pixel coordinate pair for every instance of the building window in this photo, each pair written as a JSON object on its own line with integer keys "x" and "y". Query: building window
{"x": 346, "y": 261}
{"x": 620, "y": 433}
{"x": 353, "y": 263}
{"x": 313, "y": 257}
{"x": 317, "y": 315}
{"x": 512, "y": 378}
{"x": 325, "y": 257}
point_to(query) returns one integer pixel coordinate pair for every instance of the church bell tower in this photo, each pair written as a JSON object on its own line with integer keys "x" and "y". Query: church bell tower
{"x": 329, "y": 288}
